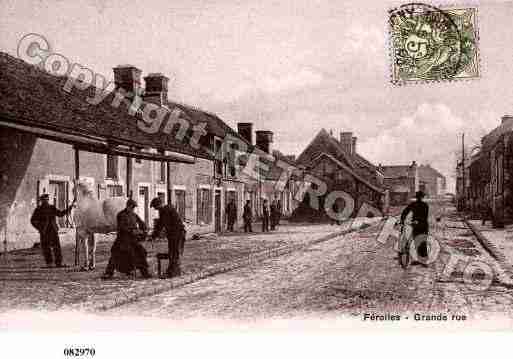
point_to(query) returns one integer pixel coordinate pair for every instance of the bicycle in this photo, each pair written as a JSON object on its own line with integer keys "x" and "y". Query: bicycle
{"x": 405, "y": 241}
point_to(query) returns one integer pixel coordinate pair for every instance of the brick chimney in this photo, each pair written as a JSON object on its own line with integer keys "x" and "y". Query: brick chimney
{"x": 346, "y": 140}
{"x": 264, "y": 140}
{"x": 506, "y": 118}
{"x": 353, "y": 146}
{"x": 156, "y": 88}
{"x": 128, "y": 78}
{"x": 245, "y": 130}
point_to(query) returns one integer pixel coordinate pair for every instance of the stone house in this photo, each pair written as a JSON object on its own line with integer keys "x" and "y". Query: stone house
{"x": 45, "y": 128}
{"x": 402, "y": 181}
{"x": 432, "y": 182}
{"x": 496, "y": 163}
{"x": 336, "y": 165}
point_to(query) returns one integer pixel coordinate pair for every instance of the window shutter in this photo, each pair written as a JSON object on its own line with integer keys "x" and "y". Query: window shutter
{"x": 209, "y": 206}
{"x": 198, "y": 206}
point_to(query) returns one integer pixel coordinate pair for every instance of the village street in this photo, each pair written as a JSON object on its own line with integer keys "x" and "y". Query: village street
{"x": 347, "y": 275}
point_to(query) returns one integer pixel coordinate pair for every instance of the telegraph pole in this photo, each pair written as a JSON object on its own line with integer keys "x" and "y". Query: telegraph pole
{"x": 463, "y": 168}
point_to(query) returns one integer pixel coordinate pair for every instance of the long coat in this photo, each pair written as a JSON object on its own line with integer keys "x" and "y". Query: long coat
{"x": 44, "y": 220}
{"x": 175, "y": 232}
{"x": 127, "y": 253}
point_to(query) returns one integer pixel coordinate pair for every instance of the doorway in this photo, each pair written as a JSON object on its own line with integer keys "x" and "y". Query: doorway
{"x": 217, "y": 209}
{"x": 142, "y": 204}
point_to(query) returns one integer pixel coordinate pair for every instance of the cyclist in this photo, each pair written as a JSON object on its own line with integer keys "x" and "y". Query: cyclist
{"x": 420, "y": 211}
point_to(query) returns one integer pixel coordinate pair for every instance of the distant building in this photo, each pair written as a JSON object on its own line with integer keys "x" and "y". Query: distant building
{"x": 402, "y": 181}
{"x": 431, "y": 182}
{"x": 337, "y": 164}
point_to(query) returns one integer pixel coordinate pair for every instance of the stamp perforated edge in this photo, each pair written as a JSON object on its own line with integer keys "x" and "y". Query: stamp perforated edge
{"x": 440, "y": 5}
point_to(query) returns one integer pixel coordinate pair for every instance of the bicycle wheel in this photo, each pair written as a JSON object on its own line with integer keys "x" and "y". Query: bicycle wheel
{"x": 404, "y": 259}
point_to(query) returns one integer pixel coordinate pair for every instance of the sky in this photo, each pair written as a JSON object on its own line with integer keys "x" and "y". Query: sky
{"x": 292, "y": 67}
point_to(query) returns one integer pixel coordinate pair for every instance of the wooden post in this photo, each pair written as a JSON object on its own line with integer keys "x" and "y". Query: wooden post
{"x": 168, "y": 180}
{"x": 75, "y": 193}
{"x": 129, "y": 191}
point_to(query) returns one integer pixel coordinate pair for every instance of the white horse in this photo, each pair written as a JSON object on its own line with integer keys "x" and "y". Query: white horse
{"x": 93, "y": 216}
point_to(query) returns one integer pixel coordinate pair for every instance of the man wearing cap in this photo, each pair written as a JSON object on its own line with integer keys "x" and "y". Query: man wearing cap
{"x": 247, "y": 215}
{"x": 420, "y": 212}
{"x": 44, "y": 220}
{"x": 175, "y": 232}
{"x": 127, "y": 254}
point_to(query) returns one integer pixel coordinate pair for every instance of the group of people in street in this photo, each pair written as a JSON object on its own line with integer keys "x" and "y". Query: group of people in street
{"x": 271, "y": 216}
{"x": 127, "y": 252}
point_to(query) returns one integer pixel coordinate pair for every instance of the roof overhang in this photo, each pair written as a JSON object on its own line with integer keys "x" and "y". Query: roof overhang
{"x": 97, "y": 144}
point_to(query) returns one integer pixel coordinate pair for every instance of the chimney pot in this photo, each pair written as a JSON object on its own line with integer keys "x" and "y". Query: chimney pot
{"x": 156, "y": 88}
{"x": 506, "y": 118}
{"x": 346, "y": 140}
{"x": 245, "y": 130}
{"x": 264, "y": 140}
{"x": 128, "y": 78}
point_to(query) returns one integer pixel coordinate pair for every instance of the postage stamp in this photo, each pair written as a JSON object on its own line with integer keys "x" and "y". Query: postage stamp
{"x": 430, "y": 44}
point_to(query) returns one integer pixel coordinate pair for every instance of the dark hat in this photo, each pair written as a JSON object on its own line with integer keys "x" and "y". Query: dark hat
{"x": 155, "y": 202}
{"x": 44, "y": 196}
{"x": 131, "y": 203}
{"x": 419, "y": 194}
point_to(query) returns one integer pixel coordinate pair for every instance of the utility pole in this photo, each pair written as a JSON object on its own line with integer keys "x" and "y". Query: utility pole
{"x": 463, "y": 168}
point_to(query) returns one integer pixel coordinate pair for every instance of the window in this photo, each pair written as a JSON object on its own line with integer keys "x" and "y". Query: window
{"x": 498, "y": 174}
{"x": 162, "y": 172}
{"x": 219, "y": 163}
{"x": 180, "y": 202}
{"x": 204, "y": 205}
{"x": 232, "y": 195}
{"x": 114, "y": 190}
{"x": 112, "y": 167}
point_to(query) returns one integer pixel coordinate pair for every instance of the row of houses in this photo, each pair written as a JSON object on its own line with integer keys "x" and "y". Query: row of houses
{"x": 51, "y": 137}
{"x": 485, "y": 180}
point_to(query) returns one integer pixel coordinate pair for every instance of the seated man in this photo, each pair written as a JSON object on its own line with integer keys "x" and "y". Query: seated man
{"x": 127, "y": 254}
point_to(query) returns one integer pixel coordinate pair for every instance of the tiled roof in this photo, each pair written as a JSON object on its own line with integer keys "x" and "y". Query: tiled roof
{"x": 323, "y": 142}
{"x": 33, "y": 97}
{"x": 350, "y": 170}
{"x": 492, "y": 137}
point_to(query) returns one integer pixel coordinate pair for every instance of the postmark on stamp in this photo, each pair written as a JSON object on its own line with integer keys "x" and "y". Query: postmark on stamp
{"x": 432, "y": 44}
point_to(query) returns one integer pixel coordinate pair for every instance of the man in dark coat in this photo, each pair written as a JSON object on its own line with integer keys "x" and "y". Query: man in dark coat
{"x": 420, "y": 211}
{"x": 247, "y": 216}
{"x": 265, "y": 216}
{"x": 486, "y": 212}
{"x": 231, "y": 214}
{"x": 274, "y": 215}
{"x": 127, "y": 254}
{"x": 175, "y": 232}
{"x": 44, "y": 220}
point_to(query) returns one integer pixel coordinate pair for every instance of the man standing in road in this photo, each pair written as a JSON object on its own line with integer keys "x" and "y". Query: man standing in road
{"x": 231, "y": 215}
{"x": 175, "y": 232}
{"x": 247, "y": 216}
{"x": 44, "y": 220}
{"x": 420, "y": 212}
{"x": 265, "y": 217}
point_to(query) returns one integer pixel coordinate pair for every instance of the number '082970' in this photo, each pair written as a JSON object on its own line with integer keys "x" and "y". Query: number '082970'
{"x": 79, "y": 352}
